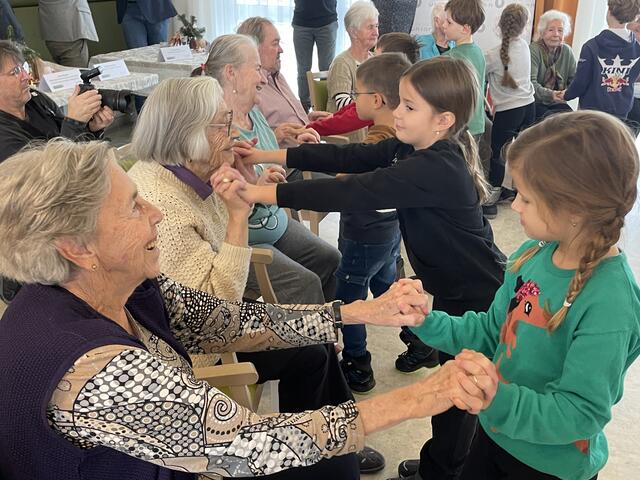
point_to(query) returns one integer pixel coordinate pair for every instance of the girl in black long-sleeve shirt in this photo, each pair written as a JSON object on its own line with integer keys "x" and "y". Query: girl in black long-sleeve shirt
{"x": 431, "y": 175}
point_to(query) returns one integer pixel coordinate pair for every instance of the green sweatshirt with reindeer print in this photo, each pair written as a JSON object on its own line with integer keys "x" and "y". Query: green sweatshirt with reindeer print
{"x": 556, "y": 388}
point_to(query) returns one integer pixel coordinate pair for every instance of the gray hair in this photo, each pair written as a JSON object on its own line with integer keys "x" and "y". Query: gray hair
{"x": 172, "y": 126}
{"x": 254, "y": 28}
{"x": 550, "y": 16}
{"x": 50, "y": 191}
{"x": 225, "y": 50}
{"x": 8, "y": 49}
{"x": 438, "y": 10}
{"x": 359, "y": 13}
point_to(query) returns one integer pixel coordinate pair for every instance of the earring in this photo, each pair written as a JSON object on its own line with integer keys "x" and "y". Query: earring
{"x": 437, "y": 132}
{"x": 94, "y": 267}
{"x": 234, "y": 91}
{"x": 573, "y": 224}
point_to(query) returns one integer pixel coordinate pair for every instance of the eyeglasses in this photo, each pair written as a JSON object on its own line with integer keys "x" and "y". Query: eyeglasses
{"x": 17, "y": 70}
{"x": 227, "y": 123}
{"x": 353, "y": 94}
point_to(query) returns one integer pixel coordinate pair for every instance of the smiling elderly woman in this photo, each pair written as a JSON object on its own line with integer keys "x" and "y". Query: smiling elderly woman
{"x": 96, "y": 379}
{"x": 553, "y": 65}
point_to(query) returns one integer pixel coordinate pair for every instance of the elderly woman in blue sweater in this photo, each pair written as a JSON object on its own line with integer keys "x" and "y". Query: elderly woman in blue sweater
{"x": 97, "y": 380}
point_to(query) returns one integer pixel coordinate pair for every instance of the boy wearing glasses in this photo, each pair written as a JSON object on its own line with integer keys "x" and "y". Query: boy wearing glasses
{"x": 369, "y": 241}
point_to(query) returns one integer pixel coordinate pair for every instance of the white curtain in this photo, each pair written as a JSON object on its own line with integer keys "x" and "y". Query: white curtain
{"x": 223, "y": 16}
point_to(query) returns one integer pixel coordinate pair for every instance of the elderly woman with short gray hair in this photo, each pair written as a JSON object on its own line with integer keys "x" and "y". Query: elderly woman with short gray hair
{"x": 553, "y": 65}
{"x": 96, "y": 378}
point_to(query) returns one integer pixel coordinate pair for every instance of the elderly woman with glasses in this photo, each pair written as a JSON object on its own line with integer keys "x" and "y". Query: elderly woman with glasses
{"x": 183, "y": 136}
{"x": 96, "y": 377}
{"x": 303, "y": 265}
{"x": 553, "y": 65}
{"x": 27, "y": 114}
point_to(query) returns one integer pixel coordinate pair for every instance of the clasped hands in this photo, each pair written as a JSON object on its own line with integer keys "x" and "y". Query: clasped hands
{"x": 297, "y": 133}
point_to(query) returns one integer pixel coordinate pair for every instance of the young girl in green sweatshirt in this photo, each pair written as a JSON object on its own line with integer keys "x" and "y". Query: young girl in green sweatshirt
{"x": 565, "y": 326}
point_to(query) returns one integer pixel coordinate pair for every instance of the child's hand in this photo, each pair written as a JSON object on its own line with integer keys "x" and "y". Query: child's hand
{"x": 480, "y": 376}
{"x": 319, "y": 115}
{"x": 308, "y": 135}
{"x": 558, "y": 96}
{"x": 245, "y": 151}
{"x": 271, "y": 175}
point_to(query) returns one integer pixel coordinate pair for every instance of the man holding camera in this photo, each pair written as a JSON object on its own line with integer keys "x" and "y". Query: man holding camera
{"x": 27, "y": 115}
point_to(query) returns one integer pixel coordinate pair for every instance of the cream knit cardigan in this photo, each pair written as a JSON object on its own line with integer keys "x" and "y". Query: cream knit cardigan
{"x": 191, "y": 235}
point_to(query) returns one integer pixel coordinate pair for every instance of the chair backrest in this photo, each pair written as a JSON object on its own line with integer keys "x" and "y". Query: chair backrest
{"x": 318, "y": 89}
{"x": 125, "y": 157}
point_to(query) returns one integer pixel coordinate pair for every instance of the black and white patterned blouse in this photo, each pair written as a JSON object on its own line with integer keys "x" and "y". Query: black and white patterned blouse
{"x": 148, "y": 404}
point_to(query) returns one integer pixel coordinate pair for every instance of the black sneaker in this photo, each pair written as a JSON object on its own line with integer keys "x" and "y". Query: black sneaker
{"x": 358, "y": 372}
{"x": 408, "y": 468}
{"x": 507, "y": 195}
{"x": 416, "y": 358}
{"x": 370, "y": 460}
{"x": 490, "y": 211}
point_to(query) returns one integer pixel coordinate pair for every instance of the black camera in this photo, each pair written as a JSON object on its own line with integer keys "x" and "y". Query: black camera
{"x": 116, "y": 100}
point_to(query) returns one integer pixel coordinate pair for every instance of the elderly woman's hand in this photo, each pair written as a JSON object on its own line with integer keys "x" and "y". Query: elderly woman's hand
{"x": 480, "y": 376}
{"x": 271, "y": 175}
{"x": 403, "y": 304}
{"x": 288, "y": 131}
{"x": 227, "y": 182}
{"x": 246, "y": 152}
{"x": 308, "y": 135}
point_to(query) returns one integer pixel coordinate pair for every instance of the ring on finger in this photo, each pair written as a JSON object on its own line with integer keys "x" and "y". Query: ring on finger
{"x": 226, "y": 180}
{"x": 475, "y": 379}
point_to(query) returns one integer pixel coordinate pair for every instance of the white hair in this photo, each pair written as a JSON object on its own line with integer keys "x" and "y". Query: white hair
{"x": 359, "y": 13}
{"x": 226, "y": 50}
{"x": 172, "y": 126}
{"x": 50, "y": 192}
{"x": 438, "y": 10}
{"x": 550, "y": 16}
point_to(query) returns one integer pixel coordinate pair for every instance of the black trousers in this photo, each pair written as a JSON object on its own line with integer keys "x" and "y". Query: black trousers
{"x": 310, "y": 378}
{"x": 444, "y": 454}
{"x": 506, "y": 125}
{"x": 488, "y": 461}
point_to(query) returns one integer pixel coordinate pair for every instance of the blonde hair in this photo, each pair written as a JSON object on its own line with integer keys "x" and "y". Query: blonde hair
{"x": 172, "y": 126}
{"x": 512, "y": 22}
{"x": 49, "y": 192}
{"x": 582, "y": 162}
{"x": 449, "y": 84}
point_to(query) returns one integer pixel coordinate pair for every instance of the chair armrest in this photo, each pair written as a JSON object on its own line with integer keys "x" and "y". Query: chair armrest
{"x": 261, "y": 255}
{"x": 230, "y": 374}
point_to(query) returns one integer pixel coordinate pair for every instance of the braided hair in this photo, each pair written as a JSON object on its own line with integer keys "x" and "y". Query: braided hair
{"x": 586, "y": 163}
{"x": 512, "y": 22}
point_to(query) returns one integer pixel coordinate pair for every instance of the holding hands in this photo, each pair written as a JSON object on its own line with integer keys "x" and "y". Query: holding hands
{"x": 297, "y": 133}
{"x": 227, "y": 182}
{"x": 558, "y": 96}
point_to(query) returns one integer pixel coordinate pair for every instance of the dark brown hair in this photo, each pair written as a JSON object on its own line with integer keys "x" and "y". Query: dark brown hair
{"x": 450, "y": 84}
{"x": 400, "y": 42}
{"x": 466, "y": 12}
{"x": 624, "y": 11}
{"x": 382, "y": 73}
{"x": 512, "y": 22}
{"x": 583, "y": 163}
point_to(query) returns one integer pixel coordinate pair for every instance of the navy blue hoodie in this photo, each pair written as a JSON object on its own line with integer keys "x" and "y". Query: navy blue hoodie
{"x": 607, "y": 69}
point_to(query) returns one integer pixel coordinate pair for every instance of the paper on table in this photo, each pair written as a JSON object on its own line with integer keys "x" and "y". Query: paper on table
{"x": 171, "y": 54}
{"x": 53, "y": 82}
{"x": 115, "y": 69}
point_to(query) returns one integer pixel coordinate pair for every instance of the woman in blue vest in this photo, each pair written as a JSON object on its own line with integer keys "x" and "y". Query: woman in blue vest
{"x": 96, "y": 378}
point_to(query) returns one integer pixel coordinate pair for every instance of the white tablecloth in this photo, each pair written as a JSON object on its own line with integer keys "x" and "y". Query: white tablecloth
{"x": 134, "y": 82}
{"x": 145, "y": 60}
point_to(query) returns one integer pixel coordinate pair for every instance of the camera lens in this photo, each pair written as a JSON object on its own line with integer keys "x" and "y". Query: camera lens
{"x": 117, "y": 100}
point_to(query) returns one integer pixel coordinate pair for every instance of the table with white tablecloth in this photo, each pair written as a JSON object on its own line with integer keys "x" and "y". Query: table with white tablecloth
{"x": 147, "y": 60}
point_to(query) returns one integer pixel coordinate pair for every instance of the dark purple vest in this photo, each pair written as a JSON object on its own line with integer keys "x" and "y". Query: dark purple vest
{"x": 44, "y": 330}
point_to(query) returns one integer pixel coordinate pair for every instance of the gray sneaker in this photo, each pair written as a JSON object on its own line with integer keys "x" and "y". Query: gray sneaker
{"x": 494, "y": 196}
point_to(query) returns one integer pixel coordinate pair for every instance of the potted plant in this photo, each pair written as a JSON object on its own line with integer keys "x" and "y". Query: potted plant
{"x": 191, "y": 31}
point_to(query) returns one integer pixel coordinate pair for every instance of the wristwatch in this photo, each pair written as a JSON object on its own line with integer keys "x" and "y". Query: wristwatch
{"x": 337, "y": 315}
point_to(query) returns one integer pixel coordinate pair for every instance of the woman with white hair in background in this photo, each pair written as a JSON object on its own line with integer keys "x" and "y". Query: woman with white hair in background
{"x": 96, "y": 375}
{"x": 435, "y": 43}
{"x": 553, "y": 65}
{"x": 361, "y": 23}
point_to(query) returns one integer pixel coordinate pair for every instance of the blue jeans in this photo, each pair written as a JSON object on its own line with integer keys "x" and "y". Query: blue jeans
{"x": 363, "y": 266}
{"x": 303, "y": 40}
{"x": 138, "y": 32}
